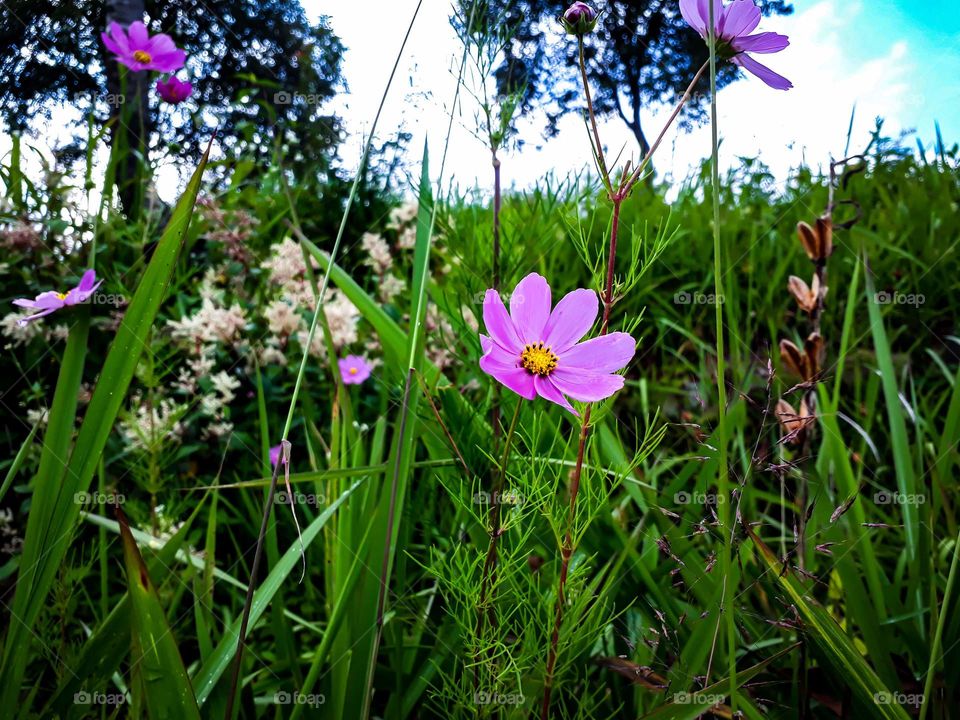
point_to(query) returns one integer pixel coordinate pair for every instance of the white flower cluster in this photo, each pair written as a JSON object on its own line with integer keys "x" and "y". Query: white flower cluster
{"x": 286, "y": 316}
{"x": 214, "y": 404}
{"x": 23, "y": 334}
{"x": 378, "y": 252}
{"x": 403, "y": 219}
{"x": 152, "y": 423}
{"x": 209, "y": 325}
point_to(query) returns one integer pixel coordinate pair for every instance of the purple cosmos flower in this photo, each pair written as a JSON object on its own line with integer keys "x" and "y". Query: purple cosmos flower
{"x": 534, "y": 351}
{"x": 733, "y": 25}
{"x": 579, "y": 19}
{"x": 354, "y": 369}
{"x": 174, "y": 91}
{"x": 50, "y": 301}
{"x": 136, "y": 49}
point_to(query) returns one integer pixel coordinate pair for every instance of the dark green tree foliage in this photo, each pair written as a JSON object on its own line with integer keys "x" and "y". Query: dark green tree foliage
{"x": 256, "y": 66}
{"x": 641, "y": 54}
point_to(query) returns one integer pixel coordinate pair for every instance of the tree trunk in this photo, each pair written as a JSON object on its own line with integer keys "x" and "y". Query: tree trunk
{"x": 130, "y": 113}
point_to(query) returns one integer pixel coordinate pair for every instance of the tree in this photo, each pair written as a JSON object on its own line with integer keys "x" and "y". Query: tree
{"x": 642, "y": 53}
{"x": 261, "y": 72}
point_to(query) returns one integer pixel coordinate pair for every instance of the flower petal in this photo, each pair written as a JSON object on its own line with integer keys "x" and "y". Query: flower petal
{"x": 88, "y": 281}
{"x": 570, "y": 320}
{"x": 777, "y": 82}
{"x": 23, "y": 302}
{"x": 24, "y": 321}
{"x": 739, "y": 18}
{"x": 548, "y": 391}
{"x": 139, "y": 37}
{"x": 765, "y": 42}
{"x": 691, "y": 13}
{"x": 169, "y": 62}
{"x": 49, "y": 299}
{"x": 530, "y": 307}
{"x": 604, "y": 354}
{"x": 703, "y": 7}
{"x": 499, "y": 324}
{"x": 513, "y": 377}
{"x": 586, "y": 387}
{"x": 116, "y": 42}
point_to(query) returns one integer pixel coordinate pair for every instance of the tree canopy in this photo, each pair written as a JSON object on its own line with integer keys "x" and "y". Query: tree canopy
{"x": 642, "y": 53}
{"x": 255, "y": 65}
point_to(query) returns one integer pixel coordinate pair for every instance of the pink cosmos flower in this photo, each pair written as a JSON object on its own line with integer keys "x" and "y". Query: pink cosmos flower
{"x": 50, "y": 301}
{"x": 534, "y": 351}
{"x": 354, "y": 369}
{"x": 174, "y": 91}
{"x": 732, "y": 27}
{"x": 275, "y": 455}
{"x": 136, "y": 49}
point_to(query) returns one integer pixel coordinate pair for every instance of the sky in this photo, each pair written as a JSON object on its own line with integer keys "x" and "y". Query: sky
{"x": 898, "y": 59}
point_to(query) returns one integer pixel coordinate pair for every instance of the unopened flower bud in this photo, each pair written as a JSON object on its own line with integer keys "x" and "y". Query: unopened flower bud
{"x": 579, "y": 19}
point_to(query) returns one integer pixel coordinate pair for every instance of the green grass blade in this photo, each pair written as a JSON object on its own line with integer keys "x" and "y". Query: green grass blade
{"x": 906, "y": 481}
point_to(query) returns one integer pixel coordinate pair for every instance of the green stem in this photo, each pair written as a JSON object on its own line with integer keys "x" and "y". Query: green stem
{"x": 723, "y": 489}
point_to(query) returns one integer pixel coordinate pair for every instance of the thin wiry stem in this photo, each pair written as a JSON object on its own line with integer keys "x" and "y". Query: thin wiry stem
{"x": 416, "y": 324}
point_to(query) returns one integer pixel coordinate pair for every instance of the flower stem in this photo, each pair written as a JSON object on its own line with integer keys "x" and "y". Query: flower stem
{"x": 489, "y": 565}
{"x": 617, "y": 197}
{"x": 723, "y": 482}
{"x": 598, "y": 148}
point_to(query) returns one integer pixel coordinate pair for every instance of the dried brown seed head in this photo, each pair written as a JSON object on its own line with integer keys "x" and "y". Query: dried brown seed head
{"x": 793, "y": 358}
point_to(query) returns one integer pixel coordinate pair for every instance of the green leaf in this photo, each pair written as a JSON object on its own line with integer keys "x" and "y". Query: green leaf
{"x": 155, "y": 661}
{"x": 105, "y": 649}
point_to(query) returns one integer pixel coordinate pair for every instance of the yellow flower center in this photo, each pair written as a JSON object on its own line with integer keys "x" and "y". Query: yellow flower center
{"x": 353, "y": 371}
{"x": 538, "y": 359}
{"x": 61, "y": 296}
{"x": 142, "y": 57}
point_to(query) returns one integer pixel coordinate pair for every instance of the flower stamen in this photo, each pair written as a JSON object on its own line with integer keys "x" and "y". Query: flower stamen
{"x": 142, "y": 57}
{"x": 538, "y": 359}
